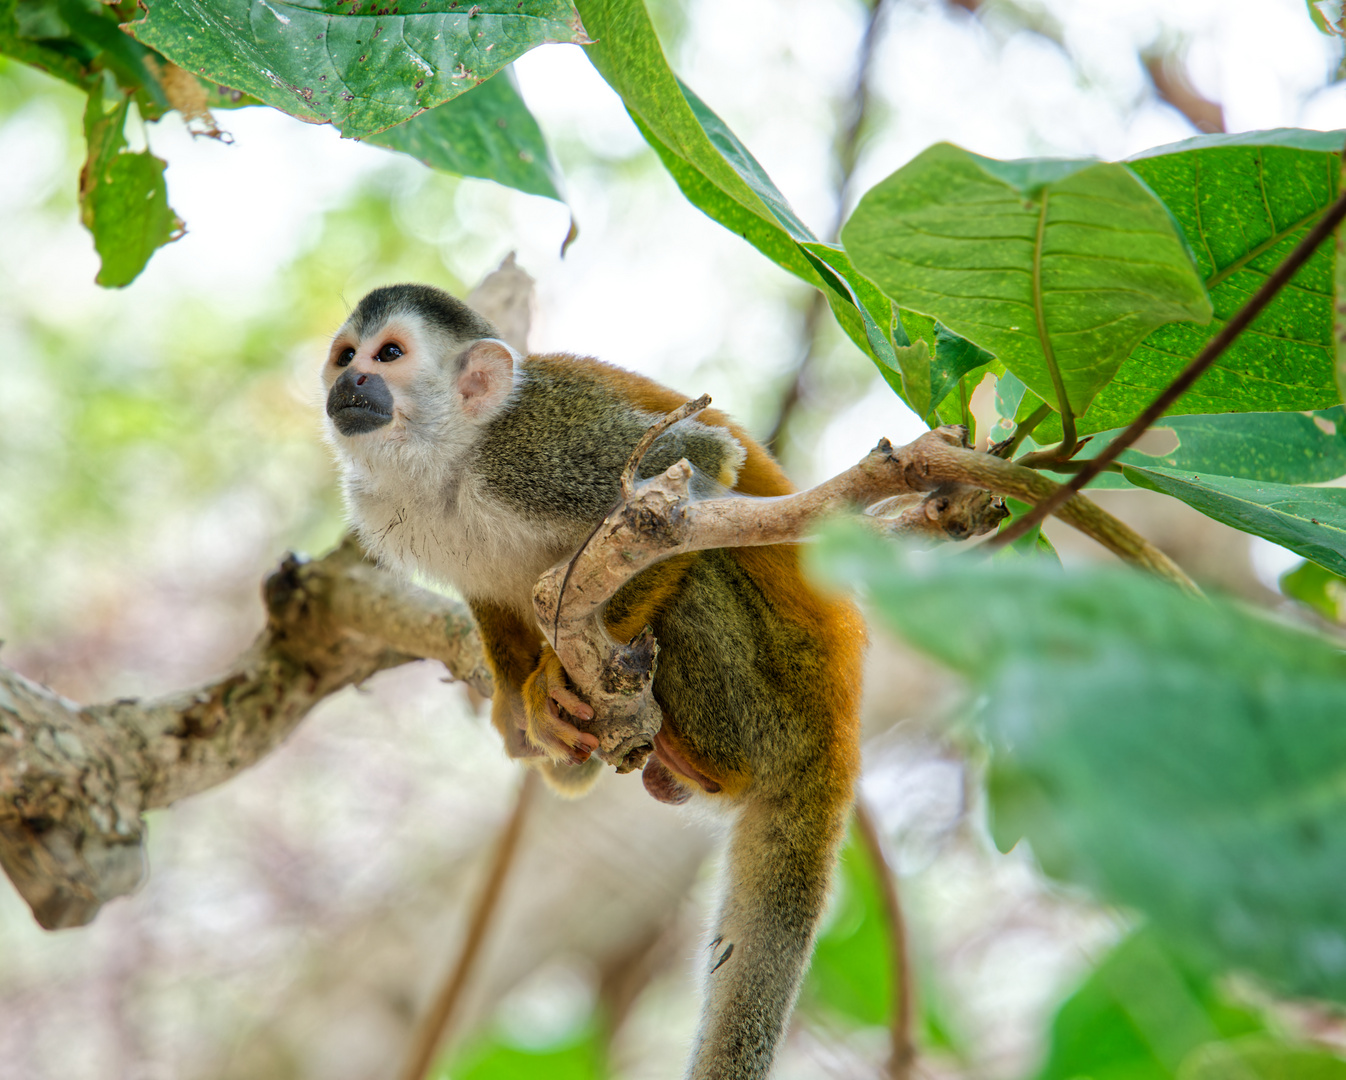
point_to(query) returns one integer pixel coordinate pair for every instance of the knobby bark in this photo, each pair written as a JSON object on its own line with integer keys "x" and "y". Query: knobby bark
{"x": 75, "y": 780}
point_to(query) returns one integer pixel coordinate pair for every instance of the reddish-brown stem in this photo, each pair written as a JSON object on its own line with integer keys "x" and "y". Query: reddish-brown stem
{"x": 903, "y": 1046}
{"x": 1217, "y": 345}
{"x": 435, "y": 1025}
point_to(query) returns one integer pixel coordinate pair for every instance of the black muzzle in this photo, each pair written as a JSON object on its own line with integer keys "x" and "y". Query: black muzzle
{"x": 359, "y": 402}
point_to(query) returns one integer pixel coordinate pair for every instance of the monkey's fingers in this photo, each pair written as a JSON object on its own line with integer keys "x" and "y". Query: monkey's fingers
{"x": 575, "y": 705}
{"x": 558, "y": 734}
{"x": 546, "y": 695}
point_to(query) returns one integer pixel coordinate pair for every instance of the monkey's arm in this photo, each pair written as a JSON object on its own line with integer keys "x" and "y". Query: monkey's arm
{"x": 512, "y": 649}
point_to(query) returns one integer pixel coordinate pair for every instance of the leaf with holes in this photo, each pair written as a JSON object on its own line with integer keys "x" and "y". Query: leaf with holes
{"x": 1243, "y": 201}
{"x": 1310, "y": 521}
{"x": 1059, "y": 268}
{"x": 358, "y": 65}
{"x": 487, "y": 132}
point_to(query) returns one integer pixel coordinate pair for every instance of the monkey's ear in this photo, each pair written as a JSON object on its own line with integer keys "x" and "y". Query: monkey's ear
{"x": 485, "y": 377}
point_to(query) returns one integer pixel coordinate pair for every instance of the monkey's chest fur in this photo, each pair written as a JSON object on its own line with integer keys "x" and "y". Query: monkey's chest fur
{"x": 528, "y": 492}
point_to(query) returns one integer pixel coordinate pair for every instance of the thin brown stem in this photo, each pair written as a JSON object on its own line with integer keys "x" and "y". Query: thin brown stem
{"x": 903, "y": 1053}
{"x": 1022, "y": 431}
{"x": 682, "y": 412}
{"x": 435, "y": 1025}
{"x": 1279, "y": 278}
{"x": 847, "y": 153}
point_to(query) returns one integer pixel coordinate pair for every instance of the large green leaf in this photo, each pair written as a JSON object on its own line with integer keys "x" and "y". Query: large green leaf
{"x": 487, "y": 132}
{"x": 1310, "y": 521}
{"x": 1059, "y": 268}
{"x": 720, "y": 177}
{"x": 1179, "y": 755}
{"x": 1243, "y": 202}
{"x": 1283, "y": 448}
{"x": 363, "y": 67}
{"x": 1139, "y": 1014}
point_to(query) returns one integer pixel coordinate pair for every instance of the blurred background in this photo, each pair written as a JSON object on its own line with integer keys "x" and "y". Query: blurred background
{"x": 160, "y": 452}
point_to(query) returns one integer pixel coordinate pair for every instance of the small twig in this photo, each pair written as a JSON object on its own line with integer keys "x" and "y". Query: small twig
{"x": 903, "y": 1053}
{"x": 1011, "y": 446}
{"x": 682, "y": 412}
{"x": 1279, "y": 278}
{"x": 435, "y": 1025}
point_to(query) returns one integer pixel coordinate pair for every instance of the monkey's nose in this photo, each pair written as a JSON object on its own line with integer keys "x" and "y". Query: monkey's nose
{"x": 359, "y": 402}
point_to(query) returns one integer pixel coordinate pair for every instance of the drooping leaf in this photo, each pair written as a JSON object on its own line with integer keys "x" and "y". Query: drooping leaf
{"x": 487, "y": 132}
{"x": 1310, "y": 521}
{"x": 363, "y": 67}
{"x": 123, "y": 197}
{"x": 719, "y": 176}
{"x": 1243, "y": 201}
{"x": 1179, "y": 755}
{"x": 131, "y": 216}
{"x": 1137, "y": 1016}
{"x": 1057, "y": 267}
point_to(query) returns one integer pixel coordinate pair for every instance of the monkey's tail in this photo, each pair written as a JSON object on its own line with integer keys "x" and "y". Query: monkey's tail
{"x": 779, "y": 868}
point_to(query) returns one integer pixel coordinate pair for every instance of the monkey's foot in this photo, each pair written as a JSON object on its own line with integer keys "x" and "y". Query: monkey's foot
{"x": 548, "y": 700}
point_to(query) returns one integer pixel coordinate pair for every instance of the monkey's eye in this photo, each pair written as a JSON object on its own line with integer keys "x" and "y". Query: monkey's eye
{"x": 345, "y": 357}
{"x": 389, "y": 353}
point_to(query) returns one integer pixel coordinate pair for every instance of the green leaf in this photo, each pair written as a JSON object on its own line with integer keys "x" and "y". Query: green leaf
{"x": 1059, "y": 268}
{"x": 24, "y": 31}
{"x": 131, "y": 217}
{"x": 1261, "y": 1058}
{"x": 1137, "y": 1016}
{"x": 487, "y": 132}
{"x": 493, "y": 1058}
{"x": 1179, "y": 755}
{"x": 851, "y": 971}
{"x": 1310, "y": 521}
{"x": 720, "y": 177}
{"x": 1243, "y": 202}
{"x": 1317, "y": 588}
{"x": 1283, "y": 448}
{"x": 123, "y": 198}
{"x": 361, "y": 67}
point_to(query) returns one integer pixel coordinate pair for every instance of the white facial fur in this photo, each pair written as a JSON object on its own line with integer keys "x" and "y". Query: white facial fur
{"x": 411, "y": 492}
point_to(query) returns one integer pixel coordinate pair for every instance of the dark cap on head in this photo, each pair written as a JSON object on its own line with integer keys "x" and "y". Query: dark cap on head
{"x": 435, "y": 306}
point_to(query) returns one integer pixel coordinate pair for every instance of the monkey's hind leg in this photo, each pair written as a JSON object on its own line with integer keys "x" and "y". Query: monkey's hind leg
{"x": 779, "y": 868}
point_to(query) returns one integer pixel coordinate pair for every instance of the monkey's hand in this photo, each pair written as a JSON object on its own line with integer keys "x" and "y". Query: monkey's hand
{"x": 548, "y": 700}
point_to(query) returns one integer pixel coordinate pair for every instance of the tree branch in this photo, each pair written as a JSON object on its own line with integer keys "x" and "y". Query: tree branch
{"x": 663, "y": 520}
{"x": 74, "y": 781}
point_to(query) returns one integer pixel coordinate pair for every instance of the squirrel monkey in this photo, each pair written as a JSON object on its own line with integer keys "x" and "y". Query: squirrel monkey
{"x": 481, "y": 468}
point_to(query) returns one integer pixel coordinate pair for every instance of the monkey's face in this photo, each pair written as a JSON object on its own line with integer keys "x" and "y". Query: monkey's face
{"x": 369, "y": 379}
{"x": 411, "y": 380}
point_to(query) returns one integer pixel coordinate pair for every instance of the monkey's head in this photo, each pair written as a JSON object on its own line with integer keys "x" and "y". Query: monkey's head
{"x": 413, "y": 365}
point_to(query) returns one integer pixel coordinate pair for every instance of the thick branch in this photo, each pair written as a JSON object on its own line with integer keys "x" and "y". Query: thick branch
{"x": 75, "y": 780}
{"x": 662, "y": 520}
